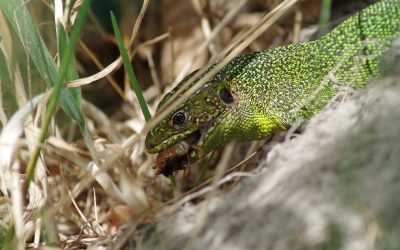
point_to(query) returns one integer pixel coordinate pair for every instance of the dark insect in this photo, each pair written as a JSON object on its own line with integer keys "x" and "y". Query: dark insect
{"x": 177, "y": 157}
{"x": 172, "y": 159}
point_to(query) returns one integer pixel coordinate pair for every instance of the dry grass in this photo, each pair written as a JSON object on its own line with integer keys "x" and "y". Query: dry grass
{"x": 83, "y": 193}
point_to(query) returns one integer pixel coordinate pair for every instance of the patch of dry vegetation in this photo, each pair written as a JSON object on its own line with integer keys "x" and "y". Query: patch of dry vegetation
{"x": 84, "y": 193}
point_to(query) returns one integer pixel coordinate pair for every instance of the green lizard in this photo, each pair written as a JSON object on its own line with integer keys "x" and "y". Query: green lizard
{"x": 259, "y": 93}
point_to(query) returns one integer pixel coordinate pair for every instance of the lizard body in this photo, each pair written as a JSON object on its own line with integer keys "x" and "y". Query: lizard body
{"x": 259, "y": 93}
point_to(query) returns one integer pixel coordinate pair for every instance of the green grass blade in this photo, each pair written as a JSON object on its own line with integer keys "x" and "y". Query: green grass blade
{"x": 62, "y": 43}
{"x": 204, "y": 168}
{"x": 129, "y": 69}
{"x": 21, "y": 21}
{"x": 65, "y": 63}
{"x": 72, "y": 72}
{"x": 7, "y": 92}
{"x": 4, "y": 73}
{"x": 324, "y": 17}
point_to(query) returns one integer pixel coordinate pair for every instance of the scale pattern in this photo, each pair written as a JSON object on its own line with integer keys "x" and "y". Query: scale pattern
{"x": 274, "y": 88}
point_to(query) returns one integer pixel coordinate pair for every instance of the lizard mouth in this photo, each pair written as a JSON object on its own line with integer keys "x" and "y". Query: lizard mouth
{"x": 178, "y": 156}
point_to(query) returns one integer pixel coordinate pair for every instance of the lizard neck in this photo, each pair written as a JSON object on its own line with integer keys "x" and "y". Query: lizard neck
{"x": 277, "y": 87}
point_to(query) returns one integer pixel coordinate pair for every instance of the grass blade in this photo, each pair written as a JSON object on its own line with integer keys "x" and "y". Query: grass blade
{"x": 324, "y": 17}
{"x": 62, "y": 42}
{"x": 65, "y": 63}
{"x": 129, "y": 69}
{"x": 21, "y": 21}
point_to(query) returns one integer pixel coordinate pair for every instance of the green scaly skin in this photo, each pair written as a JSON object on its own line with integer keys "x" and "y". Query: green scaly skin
{"x": 274, "y": 88}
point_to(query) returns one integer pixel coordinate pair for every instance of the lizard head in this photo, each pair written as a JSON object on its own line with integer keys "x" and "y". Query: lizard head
{"x": 202, "y": 121}
{"x": 222, "y": 110}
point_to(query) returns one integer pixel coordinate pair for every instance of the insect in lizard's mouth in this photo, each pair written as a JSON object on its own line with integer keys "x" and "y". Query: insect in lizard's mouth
{"x": 180, "y": 155}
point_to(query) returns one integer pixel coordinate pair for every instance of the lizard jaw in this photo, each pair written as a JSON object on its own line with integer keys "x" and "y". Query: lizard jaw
{"x": 167, "y": 143}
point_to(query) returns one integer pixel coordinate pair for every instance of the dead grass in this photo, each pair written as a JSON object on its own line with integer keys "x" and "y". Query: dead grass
{"x": 83, "y": 195}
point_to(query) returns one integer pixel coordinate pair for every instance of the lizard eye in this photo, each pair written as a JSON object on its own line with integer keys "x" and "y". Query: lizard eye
{"x": 179, "y": 118}
{"x": 226, "y": 96}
